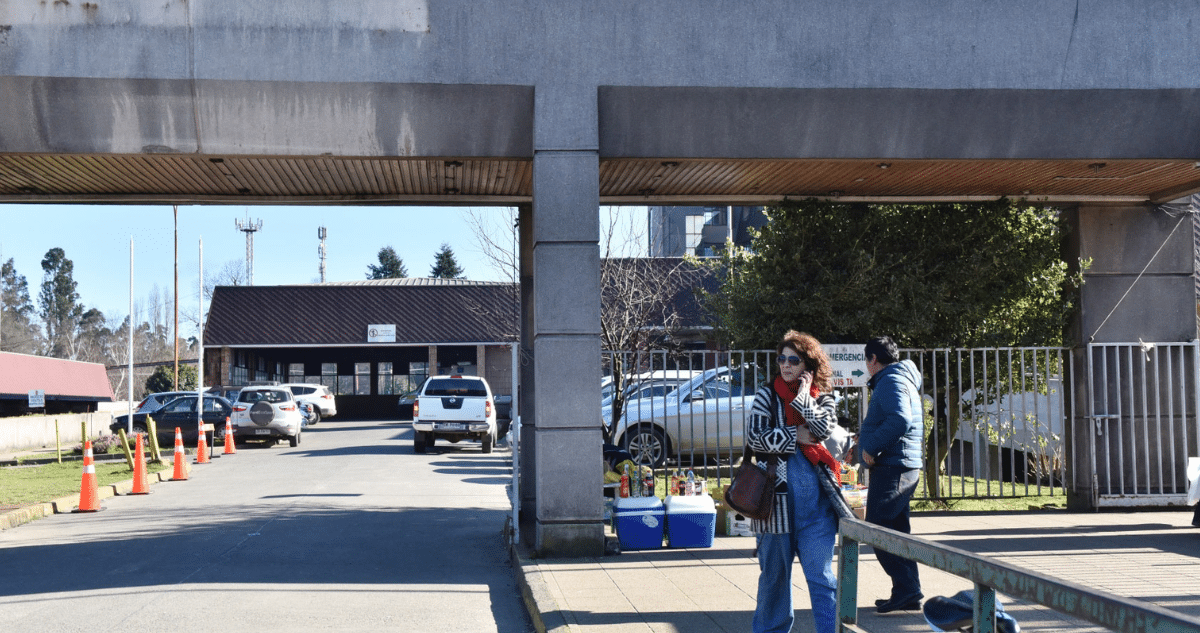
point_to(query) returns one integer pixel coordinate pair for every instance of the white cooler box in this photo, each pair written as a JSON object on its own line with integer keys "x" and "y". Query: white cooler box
{"x": 691, "y": 521}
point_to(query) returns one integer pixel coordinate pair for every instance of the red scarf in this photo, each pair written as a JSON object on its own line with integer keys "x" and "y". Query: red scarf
{"x": 815, "y": 453}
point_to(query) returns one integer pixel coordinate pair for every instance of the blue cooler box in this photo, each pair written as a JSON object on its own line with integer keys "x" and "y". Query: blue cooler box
{"x": 691, "y": 521}
{"x": 639, "y": 522}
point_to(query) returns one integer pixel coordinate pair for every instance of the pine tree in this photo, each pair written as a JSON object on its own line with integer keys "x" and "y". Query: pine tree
{"x": 18, "y": 332}
{"x": 390, "y": 265}
{"x": 60, "y": 307}
{"x": 444, "y": 264}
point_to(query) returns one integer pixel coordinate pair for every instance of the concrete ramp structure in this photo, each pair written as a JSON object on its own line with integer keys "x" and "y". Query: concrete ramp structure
{"x": 558, "y": 107}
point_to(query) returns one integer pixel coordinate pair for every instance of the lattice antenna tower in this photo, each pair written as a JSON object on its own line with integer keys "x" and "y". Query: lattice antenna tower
{"x": 322, "y": 233}
{"x": 249, "y": 227}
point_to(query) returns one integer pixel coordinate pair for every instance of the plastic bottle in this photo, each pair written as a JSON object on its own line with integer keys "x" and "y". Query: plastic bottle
{"x": 648, "y": 484}
{"x": 625, "y": 483}
{"x": 691, "y": 483}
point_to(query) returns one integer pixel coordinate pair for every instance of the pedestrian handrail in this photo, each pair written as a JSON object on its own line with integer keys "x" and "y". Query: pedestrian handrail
{"x": 1124, "y": 615}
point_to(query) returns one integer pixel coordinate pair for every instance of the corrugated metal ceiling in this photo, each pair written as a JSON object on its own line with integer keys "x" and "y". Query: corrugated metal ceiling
{"x": 325, "y": 179}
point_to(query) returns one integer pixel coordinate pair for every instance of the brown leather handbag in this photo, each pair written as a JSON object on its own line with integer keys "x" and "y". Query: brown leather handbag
{"x": 752, "y": 491}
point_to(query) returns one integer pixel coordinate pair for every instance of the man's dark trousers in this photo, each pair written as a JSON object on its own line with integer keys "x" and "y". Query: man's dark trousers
{"x": 888, "y": 495}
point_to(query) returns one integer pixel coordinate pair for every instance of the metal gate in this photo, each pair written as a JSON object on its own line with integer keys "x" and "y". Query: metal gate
{"x": 1143, "y": 400}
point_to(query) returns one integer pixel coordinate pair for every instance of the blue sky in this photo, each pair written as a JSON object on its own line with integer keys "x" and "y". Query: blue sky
{"x": 96, "y": 239}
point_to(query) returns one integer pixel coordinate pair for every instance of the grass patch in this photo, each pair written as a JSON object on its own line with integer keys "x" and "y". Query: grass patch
{"x": 1005, "y": 497}
{"x": 38, "y": 484}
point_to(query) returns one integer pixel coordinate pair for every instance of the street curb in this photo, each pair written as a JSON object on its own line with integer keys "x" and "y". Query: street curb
{"x": 67, "y": 504}
{"x": 543, "y": 609}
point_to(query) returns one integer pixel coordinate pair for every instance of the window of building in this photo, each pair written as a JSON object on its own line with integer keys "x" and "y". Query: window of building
{"x": 295, "y": 372}
{"x": 329, "y": 377}
{"x": 387, "y": 383}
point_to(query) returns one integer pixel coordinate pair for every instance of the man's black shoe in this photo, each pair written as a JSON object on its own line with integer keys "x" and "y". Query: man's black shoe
{"x": 907, "y": 603}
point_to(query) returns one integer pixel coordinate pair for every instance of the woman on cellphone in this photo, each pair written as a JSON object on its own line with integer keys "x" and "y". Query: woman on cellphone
{"x": 790, "y": 417}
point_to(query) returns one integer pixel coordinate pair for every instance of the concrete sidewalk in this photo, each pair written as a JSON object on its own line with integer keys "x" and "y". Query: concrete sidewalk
{"x": 1152, "y": 556}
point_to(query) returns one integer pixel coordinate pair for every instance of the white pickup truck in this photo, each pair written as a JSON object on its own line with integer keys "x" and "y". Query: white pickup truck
{"x": 454, "y": 408}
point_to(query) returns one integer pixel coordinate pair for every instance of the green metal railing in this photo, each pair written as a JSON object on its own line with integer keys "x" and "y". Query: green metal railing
{"x": 1124, "y": 615}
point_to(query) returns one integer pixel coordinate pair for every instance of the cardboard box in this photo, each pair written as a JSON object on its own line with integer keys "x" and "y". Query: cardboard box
{"x": 639, "y": 522}
{"x": 737, "y": 525}
{"x": 691, "y": 521}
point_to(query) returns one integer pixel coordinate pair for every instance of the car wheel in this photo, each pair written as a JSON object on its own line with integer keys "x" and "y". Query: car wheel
{"x": 647, "y": 445}
{"x": 139, "y": 428}
{"x": 316, "y": 417}
{"x": 488, "y": 440}
{"x": 419, "y": 441}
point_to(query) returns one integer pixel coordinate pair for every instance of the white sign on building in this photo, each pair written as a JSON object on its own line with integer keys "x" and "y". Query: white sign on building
{"x": 848, "y": 364}
{"x": 37, "y": 399}
{"x": 381, "y": 333}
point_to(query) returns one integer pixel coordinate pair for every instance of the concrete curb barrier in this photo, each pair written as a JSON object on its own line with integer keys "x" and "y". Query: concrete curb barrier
{"x": 544, "y": 611}
{"x": 65, "y": 505}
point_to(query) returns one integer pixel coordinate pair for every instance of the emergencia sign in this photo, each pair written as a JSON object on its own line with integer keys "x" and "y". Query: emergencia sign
{"x": 849, "y": 365}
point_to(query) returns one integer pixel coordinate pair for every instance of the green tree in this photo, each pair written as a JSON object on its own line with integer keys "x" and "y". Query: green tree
{"x": 60, "y": 307}
{"x": 444, "y": 264}
{"x": 938, "y": 275}
{"x": 390, "y": 265}
{"x": 163, "y": 379}
{"x": 18, "y": 332}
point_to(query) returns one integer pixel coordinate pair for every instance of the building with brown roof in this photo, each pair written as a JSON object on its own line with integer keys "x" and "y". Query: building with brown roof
{"x": 369, "y": 341}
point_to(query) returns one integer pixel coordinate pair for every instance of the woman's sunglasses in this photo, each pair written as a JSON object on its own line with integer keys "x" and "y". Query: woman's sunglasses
{"x": 788, "y": 360}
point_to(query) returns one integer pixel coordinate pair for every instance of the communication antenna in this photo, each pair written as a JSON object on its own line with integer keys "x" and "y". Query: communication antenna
{"x": 249, "y": 227}
{"x": 322, "y": 233}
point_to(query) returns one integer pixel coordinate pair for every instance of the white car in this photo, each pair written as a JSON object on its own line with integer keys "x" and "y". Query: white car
{"x": 454, "y": 408}
{"x": 267, "y": 413}
{"x": 322, "y": 399}
{"x": 704, "y": 416}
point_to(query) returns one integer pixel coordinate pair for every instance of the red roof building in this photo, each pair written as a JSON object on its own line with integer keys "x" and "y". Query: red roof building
{"x": 70, "y": 386}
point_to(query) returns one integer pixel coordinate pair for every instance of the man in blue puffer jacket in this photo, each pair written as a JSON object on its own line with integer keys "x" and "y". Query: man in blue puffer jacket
{"x": 890, "y": 441}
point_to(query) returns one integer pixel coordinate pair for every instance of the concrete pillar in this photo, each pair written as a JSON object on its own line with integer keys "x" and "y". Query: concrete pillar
{"x": 528, "y": 439}
{"x": 568, "y": 519}
{"x": 433, "y": 360}
{"x": 1119, "y": 303}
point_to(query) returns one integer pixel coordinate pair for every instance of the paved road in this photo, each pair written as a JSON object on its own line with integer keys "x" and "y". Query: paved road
{"x": 350, "y": 531}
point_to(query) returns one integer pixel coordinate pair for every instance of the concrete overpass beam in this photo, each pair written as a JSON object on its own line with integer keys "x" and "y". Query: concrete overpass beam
{"x": 565, "y": 233}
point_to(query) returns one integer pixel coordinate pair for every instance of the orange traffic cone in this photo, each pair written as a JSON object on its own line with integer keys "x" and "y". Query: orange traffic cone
{"x": 202, "y": 446}
{"x": 89, "y": 490}
{"x": 180, "y": 459}
{"x": 230, "y": 445}
{"x": 140, "y": 485}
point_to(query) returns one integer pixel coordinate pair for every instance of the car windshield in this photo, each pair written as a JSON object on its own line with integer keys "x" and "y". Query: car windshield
{"x": 455, "y": 387}
{"x": 267, "y": 395}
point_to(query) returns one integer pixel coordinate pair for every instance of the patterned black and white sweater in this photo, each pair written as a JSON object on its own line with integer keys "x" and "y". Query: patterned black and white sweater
{"x": 768, "y": 434}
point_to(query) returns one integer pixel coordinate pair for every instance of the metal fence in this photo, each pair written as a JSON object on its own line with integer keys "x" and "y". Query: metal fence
{"x": 1143, "y": 404}
{"x": 994, "y": 417}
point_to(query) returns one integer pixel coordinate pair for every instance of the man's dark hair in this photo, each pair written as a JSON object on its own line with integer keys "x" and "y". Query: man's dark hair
{"x": 883, "y": 348}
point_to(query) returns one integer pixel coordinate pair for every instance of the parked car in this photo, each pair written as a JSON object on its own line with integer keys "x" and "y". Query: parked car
{"x": 634, "y": 392}
{"x": 229, "y": 393}
{"x": 179, "y": 412}
{"x": 704, "y": 416}
{"x": 454, "y": 408}
{"x": 155, "y": 400}
{"x": 636, "y": 382}
{"x": 319, "y": 395}
{"x": 404, "y": 406}
{"x": 267, "y": 412}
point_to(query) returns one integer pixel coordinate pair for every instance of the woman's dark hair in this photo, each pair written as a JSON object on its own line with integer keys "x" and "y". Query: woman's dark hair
{"x": 814, "y": 356}
{"x": 883, "y": 348}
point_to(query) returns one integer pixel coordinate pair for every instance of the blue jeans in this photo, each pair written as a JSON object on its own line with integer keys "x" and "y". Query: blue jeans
{"x": 814, "y": 529}
{"x": 888, "y": 495}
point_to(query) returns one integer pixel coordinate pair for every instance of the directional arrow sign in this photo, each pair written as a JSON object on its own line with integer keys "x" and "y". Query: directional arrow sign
{"x": 849, "y": 365}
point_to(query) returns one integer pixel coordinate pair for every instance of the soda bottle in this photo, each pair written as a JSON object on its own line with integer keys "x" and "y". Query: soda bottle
{"x": 648, "y": 485}
{"x": 691, "y": 483}
{"x": 625, "y": 483}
